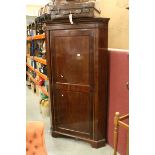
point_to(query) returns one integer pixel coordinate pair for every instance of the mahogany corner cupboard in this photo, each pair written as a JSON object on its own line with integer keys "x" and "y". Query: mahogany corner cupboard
{"x": 77, "y": 59}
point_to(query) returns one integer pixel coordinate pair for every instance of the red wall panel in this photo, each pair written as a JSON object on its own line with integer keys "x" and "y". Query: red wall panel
{"x": 118, "y": 95}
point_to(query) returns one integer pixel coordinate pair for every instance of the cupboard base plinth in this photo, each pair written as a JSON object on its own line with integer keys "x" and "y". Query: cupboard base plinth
{"x": 98, "y": 144}
{"x": 94, "y": 144}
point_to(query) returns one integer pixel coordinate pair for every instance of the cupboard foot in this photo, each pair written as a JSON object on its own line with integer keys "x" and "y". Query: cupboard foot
{"x": 97, "y": 144}
{"x": 54, "y": 134}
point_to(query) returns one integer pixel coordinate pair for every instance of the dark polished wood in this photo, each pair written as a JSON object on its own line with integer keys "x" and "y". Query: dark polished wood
{"x": 78, "y": 74}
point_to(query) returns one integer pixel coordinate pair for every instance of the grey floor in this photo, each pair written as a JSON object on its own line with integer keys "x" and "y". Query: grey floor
{"x": 59, "y": 146}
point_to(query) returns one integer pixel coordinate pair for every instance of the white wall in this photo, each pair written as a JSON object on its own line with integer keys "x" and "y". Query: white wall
{"x": 32, "y": 6}
{"x": 113, "y": 9}
{"x": 119, "y": 21}
{"x": 32, "y": 10}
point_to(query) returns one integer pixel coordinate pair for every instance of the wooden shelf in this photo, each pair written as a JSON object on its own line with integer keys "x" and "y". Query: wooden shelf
{"x": 37, "y": 37}
{"x": 41, "y": 36}
{"x": 29, "y": 38}
{"x": 30, "y": 67}
{"x": 38, "y": 73}
{"x": 42, "y": 88}
{"x": 40, "y": 60}
{"x": 43, "y": 61}
{"x": 41, "y": 75}
{"x": 28, "y": 55}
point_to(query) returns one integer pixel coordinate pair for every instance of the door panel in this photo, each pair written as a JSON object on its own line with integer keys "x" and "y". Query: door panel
{"x": 72, "y": 59}
{"x": 73, "y": 112}
{"x": 73, "y": 87}
{"x": 72, "y": 56}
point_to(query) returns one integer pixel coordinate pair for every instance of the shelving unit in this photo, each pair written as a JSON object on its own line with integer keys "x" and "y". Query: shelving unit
{"x": 43, "y": 61}
{"x": 38, "y": 59}
{"x": 41, "y": 36}
{"x": 30, "y": 67}
{"x": 41, "y": 74}
{"x": 38, "y": 73}
{"x": 34, "y": 58}
{"x": 42, "y": 88}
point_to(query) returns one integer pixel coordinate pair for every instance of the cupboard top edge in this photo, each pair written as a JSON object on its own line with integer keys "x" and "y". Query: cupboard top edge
{"x": 77, "y": 20}
{"x": 78, "y": 23}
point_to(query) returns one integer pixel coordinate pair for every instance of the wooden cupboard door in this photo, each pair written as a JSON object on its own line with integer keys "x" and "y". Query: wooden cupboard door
{"x": 73, "y": 113}
{"x": 73, "y": 56}
{"x": 72, "y": 68}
